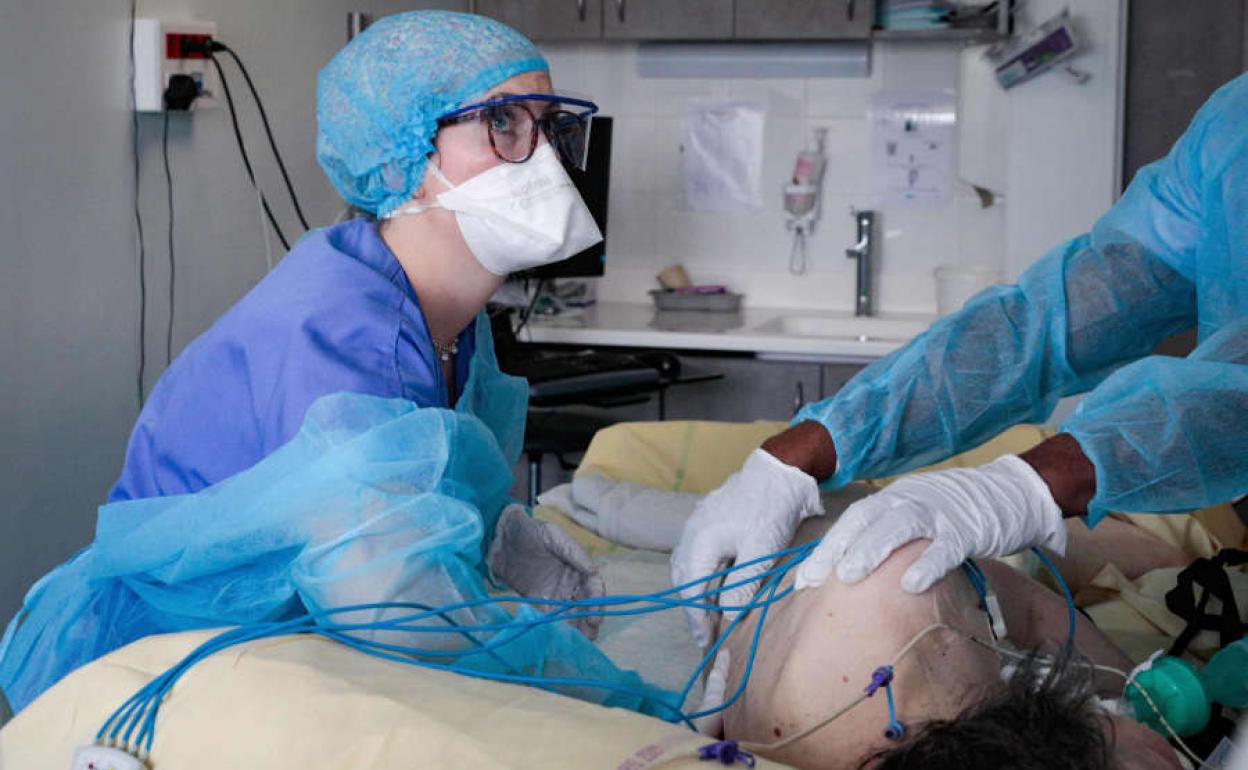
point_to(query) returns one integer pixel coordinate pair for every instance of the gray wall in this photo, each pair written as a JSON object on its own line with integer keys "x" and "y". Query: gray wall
{"x": 68, "y": 258}
{"x": 1177, "y": 55}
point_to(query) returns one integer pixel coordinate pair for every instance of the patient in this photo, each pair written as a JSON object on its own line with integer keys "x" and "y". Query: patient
{"x": 819, "y": 647}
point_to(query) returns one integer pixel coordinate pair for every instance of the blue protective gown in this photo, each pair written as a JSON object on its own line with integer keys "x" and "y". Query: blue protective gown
{"x": 244, "y": 501}
{"x": 337, "y": 314}
{"x": 1165, "y": 434}
{"x": 373, "y": 500}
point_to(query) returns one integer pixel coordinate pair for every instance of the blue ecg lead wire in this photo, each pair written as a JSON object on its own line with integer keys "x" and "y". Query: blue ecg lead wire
{"x": 139, "y": 712}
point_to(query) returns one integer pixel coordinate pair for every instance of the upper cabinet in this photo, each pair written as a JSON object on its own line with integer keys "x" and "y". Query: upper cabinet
{"x": 554, "y": 20}
{"x": 803, "y": 19}
{"x": 548, "y": 20}
{"x": 667, "y": 19}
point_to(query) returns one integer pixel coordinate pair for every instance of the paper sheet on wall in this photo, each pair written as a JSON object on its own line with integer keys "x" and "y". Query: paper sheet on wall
{"x": 722, "y": 156}
{"x": 913, "y": 147}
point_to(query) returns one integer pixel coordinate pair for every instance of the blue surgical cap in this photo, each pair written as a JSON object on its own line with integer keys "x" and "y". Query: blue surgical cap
{"x": 379, "y": 99}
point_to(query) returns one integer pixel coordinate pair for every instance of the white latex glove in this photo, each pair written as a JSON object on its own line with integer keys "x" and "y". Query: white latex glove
{"x": 754, "y": 513}
{"x": 538, "y": 559}
{"x": 714, "y": 691}
{"x": 990, "y": 511}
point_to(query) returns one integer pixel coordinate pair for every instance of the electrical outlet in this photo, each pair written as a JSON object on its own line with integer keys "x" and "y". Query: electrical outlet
{"x": 164, "y": 48}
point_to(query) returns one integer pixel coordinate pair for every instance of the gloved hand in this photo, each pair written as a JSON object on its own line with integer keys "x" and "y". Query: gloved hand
{"x": 754, "y": 513}
{"x": 538, "y": 559}
{"x": 993, "y": 510}
{"x": 714, "y": 691}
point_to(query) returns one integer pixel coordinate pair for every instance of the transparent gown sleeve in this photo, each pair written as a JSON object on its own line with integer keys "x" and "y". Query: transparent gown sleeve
{"x": 1170, "y": 434}
{"x": 1088, "y": 307}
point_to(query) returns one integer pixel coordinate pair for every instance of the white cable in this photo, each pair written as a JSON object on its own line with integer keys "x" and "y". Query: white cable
{"x": 897, "y": 659}
{"x": 1160, "y": 718}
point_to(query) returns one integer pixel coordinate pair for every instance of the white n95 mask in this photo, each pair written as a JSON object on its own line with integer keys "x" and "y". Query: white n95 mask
{"x": 518, "y": 216}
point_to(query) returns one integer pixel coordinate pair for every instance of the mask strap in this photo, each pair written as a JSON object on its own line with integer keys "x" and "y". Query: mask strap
{"x": 438, "y": 173}
{"x": 415, "y": 209}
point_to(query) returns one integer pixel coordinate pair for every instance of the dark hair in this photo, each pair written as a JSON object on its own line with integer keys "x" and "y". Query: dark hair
{"x": 1039, "y": 721}
{"x": 351, "y": 212}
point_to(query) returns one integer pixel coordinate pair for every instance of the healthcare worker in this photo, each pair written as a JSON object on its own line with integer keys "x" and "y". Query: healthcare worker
{"x": 1154, "y": 434}
{"x": 442, "y": 128}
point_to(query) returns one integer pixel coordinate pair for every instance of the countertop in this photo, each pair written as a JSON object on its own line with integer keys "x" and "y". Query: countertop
{"x": 778, "y": 333}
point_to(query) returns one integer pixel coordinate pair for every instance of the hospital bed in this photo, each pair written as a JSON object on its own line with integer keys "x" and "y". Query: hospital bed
{"x": 307, "y": 702}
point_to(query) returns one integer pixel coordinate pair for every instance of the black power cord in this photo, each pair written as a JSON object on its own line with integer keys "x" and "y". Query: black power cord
{"x": 242, "y": 149}
{"x": 180, "y": 94}
{"x": 268, "y": 130}
{"x": 528, "y": 311}
{"x": 164, "y": 151}
{"x": 138, "y": 220}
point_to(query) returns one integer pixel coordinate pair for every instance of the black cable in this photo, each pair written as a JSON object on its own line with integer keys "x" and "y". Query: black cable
{"x": 528, "y": 311}
{"x": 242, "y": 149}
{"x": 138, "y": 218}
{"x": 164, "y": 150}
{"x": 264, "y": 118}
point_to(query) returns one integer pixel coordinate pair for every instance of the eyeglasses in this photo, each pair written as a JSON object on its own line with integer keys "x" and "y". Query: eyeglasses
{"x": 513, "y": 127}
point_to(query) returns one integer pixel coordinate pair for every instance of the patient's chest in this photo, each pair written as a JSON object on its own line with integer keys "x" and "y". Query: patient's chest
{"x": 819, "y": 648}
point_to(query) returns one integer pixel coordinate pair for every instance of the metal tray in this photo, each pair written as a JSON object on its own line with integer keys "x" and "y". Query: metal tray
{"x": 729, "y": 302}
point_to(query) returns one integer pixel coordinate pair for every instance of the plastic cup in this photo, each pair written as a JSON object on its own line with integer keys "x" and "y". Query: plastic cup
{"x": 955, "y": 284}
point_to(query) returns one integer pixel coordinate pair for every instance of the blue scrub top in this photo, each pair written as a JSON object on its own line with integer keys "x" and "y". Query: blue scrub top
{"x": 337, "y": 314}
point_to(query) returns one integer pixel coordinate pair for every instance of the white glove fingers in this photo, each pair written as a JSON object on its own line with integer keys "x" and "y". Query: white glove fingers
{"x": 700, "y": 622}
{"x": 756, "y": 510}
{"x": 876, "y": 544}
{"x": 856, "y": 520}
{"x": 697, "y": 556}
{"x": 713, "y": 693}
{"x": 936, "y": 561}
{"x": 741, "y": 595}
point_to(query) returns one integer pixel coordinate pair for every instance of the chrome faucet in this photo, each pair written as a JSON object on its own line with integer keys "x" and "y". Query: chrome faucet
{"x": 864, "y": 299}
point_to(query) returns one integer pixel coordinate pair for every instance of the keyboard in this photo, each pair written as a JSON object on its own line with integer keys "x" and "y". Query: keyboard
{"x": 544, "y": 366}
{"x": 555, "y": 373}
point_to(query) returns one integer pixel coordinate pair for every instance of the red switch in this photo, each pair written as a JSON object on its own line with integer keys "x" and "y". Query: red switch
{"x": 181, "y": 45}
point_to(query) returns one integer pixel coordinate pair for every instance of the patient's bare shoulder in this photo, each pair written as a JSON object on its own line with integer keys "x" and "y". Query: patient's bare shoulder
{"x": 819, "y": 648}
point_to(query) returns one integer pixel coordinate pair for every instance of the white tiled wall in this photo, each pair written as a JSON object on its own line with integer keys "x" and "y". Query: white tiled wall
{"x": 648, "y": 228}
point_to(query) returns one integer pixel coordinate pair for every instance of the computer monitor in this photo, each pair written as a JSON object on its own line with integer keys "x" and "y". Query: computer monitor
{"x": 594, "y": 184}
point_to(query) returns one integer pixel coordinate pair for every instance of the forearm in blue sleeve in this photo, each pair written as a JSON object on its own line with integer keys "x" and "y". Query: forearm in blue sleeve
{"x": 1007, "y": 357}
{"x": 1170, "y": 434}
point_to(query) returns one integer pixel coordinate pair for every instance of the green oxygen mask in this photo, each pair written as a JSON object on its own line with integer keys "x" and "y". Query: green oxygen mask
{"x": 1184, "y": 695}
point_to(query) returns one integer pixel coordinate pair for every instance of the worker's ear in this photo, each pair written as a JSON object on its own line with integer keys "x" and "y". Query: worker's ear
{"x": 423, "y": 194}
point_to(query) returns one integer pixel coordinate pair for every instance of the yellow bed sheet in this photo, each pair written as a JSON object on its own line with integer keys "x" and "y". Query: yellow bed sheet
{"x": 301, "y": 702}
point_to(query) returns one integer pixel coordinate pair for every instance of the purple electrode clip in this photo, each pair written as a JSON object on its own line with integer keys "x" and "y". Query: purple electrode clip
{"x": 726, "y": 753}
{"x": 881, "y": 677}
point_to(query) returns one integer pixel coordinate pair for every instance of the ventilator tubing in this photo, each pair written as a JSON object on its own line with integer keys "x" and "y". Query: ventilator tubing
{"x": 1183, "y": 695}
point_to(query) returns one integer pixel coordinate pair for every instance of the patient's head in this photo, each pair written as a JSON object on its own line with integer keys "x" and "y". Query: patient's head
{"x": 1039, "y": 721}
{"x": 819, "y": 648}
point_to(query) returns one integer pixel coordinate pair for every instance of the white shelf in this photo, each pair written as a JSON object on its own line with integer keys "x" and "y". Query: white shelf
{"x": 753, "y": 330}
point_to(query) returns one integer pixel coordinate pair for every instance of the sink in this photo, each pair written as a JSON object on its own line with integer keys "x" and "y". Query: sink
{"x": 863, "y": 328}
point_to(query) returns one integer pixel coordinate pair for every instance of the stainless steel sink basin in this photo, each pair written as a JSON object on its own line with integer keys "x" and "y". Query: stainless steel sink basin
{"x": 864, "y": 328}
